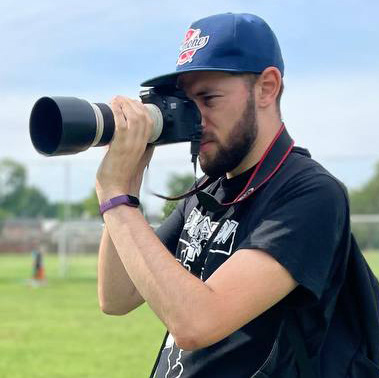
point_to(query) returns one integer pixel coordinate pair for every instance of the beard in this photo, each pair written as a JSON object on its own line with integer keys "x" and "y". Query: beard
{"x": 241, "y": 141}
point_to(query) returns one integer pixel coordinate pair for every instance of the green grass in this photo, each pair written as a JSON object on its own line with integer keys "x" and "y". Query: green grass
{"x": 58, "y": 331}
{"x": 372, "y": 258}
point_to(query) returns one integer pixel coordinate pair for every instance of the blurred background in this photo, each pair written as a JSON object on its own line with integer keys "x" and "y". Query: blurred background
{"x": 50, "y": 325}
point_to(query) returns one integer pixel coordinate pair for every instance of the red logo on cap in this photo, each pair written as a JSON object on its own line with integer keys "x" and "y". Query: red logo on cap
{"x": 192, "y": 42}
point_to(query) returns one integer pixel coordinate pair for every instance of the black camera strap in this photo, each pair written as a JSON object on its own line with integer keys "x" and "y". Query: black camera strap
{"x": 296, "y": 339}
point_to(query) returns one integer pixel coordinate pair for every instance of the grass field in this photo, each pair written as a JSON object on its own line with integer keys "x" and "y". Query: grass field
{"x": 57, "y": 330}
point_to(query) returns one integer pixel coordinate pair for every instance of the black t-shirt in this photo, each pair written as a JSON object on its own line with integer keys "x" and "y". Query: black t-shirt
{"x": 301, "y": 221}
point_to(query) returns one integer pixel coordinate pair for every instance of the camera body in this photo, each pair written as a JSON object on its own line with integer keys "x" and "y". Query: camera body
{"x": 181, "y": 117}
{"x": 68, "y": 125}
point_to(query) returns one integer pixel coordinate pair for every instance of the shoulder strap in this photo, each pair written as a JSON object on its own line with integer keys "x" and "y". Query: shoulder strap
{"x": 159, "y": 355}
{"x": 365, "y": 288}
{"x": 297, "y": 341}
{"x": 362, "y": 289}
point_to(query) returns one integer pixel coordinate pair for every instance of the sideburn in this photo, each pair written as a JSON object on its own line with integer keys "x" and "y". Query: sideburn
{"x": 241, "y": 141}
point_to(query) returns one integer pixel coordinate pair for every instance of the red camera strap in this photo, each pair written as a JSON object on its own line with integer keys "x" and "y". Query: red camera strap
{"x": 272, "y": 159}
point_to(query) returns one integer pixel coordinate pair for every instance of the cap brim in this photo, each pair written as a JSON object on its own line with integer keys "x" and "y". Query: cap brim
{"x": 171, "y": 79}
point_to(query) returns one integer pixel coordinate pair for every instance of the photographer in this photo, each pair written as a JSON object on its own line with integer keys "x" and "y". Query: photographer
{"x": 269, "y": 237}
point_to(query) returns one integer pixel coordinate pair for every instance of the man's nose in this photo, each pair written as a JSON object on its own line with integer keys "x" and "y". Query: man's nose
{"x": 204, "y": 115}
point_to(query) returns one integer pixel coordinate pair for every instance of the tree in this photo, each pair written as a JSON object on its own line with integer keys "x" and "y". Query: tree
{"x": 31, "y": 203}
{"x": 12, "y": 180}
{"x": 177, "y": 184}
{"x": 3, "y": 215}
{"x": 366, "y": 199}
{"x": 12, "y": 185}
{"x": 16, "y": 198}
{"x": 91, "y": 205}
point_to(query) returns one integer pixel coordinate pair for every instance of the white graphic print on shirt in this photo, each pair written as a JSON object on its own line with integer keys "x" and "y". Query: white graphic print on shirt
{"x": 175, "y": 367}
{"x": 199, "y": 229}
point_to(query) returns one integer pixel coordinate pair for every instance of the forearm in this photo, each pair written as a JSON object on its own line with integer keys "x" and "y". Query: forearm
{"x": 116, "y": 292}
{"x": 175, "y": 295}
{"x": 182, "y": 301}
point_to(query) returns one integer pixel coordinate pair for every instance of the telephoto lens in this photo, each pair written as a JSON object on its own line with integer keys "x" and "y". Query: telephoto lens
{"x": 68, "y": 125}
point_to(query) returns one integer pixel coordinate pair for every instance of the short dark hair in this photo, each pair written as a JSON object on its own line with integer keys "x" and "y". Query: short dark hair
{"x": 251, "y": 79}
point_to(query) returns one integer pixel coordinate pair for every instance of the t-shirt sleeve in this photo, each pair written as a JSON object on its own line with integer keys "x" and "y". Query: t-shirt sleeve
{"x": 303, "y": 230}
{"x": 169, "y": 231}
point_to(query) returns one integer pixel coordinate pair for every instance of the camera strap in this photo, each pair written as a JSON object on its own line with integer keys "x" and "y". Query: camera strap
{"x": 195, "y": 147}
{"x": 272, "y": 159}
{"x": 274, "y": 156}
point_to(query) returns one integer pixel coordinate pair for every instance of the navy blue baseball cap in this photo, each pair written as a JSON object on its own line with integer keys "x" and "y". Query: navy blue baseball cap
{"x": 225, "y": 42}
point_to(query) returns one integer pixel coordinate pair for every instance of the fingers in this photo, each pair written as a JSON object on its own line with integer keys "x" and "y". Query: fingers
{"x": 142, "y": 112}
{"x": 123, "y": 165}
{"x": 133, "y": 127}
{"x": 118, "y": 115}
{"x": 132, "y": 115}
{"x": 135, "y": 119}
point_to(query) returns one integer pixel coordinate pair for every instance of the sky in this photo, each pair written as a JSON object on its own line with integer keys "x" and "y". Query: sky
{"x": 95, "y": 50}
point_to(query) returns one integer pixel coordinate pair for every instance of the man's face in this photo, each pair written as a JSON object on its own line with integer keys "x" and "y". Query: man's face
{"x": 227, "y": 107}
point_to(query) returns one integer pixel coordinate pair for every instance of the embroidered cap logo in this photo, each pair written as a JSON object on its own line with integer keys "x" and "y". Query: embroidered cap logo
{"x": 192, "y": 42}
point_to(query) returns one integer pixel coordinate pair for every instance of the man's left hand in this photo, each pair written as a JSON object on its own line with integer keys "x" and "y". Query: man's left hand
{"x": 121, "y": 170}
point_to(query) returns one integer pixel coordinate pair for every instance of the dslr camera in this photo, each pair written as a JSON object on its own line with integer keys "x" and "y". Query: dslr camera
{"x": 68, "y": 125}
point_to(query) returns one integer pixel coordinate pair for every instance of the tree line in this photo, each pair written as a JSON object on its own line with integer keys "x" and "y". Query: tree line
{"x": 366, "y": 201}
{"x": 18, "y": 199}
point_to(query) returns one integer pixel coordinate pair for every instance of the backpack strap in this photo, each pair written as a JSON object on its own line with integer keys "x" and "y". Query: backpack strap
{"x": 365, "y": 288}
{"x": 159, "y": 355}
{"x": 296, "y": 339}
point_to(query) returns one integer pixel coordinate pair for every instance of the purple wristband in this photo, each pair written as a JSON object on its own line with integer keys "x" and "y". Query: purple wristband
{"x": 124, "y": 199}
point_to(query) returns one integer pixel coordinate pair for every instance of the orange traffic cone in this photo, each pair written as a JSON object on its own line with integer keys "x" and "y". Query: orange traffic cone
{"x": 38, "y": 267}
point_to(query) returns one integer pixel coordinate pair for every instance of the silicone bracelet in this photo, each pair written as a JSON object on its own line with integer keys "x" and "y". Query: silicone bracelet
{"x": 124, "y": 199}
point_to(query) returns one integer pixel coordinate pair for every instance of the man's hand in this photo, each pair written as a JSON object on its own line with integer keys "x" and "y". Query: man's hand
{"x": 122, "y": 168}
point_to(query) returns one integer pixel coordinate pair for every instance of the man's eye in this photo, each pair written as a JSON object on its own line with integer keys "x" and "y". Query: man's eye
{"x": 210, "y": 99}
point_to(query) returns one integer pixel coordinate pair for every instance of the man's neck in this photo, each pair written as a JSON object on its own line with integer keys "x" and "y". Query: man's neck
{"x": 264, "y": 138}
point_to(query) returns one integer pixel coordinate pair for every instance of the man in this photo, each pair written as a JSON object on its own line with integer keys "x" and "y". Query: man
{"x": 223, "y": 277}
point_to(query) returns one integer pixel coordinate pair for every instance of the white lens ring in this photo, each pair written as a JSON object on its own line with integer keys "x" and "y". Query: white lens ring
{"x": 157, "y": 118}
{"x": 154, "y": 113}
{"x": 99, "y": 125}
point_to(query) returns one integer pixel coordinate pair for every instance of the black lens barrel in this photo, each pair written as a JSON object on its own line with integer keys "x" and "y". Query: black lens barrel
{"x": 67, "y": 125}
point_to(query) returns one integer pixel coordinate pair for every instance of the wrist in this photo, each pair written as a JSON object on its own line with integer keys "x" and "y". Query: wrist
{"x": 105, "y": 195}
{"x": 124, "y": 199}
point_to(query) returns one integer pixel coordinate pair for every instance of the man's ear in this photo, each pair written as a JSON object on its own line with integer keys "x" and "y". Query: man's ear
{"x": 268, "y": 87}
